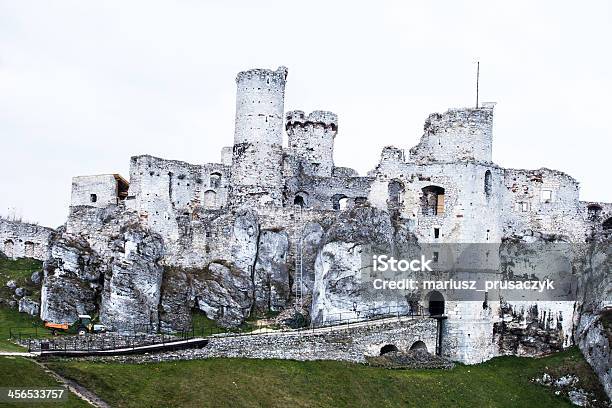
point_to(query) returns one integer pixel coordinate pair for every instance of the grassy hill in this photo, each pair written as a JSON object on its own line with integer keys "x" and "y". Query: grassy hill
{"x": 501, "y": 382}
{"x": 25, "y": 374}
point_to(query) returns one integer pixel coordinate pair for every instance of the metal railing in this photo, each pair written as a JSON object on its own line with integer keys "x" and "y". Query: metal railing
{"x": 145, "y": 335}
{"x": 99, "y": 342}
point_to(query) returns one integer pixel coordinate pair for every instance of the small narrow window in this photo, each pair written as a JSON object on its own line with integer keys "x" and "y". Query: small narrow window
{"x": 436, "y": 232}
{"x": 436, "y": 256}
{"x": 93, "y": 198}
{"x": 488, "y": 187}
{"x": 546, "y": 196}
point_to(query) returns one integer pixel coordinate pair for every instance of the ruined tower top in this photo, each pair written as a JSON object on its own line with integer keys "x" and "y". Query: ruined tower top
{"x": 457, "y": 135}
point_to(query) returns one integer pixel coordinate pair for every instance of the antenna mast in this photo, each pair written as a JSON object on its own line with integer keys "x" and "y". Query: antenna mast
{"x": 477, "y": 80}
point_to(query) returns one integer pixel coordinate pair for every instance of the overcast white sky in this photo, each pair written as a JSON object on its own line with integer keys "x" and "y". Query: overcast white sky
{"x": 85, "y": 85}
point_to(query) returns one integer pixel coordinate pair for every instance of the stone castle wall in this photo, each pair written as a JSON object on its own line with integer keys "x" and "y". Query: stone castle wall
{"x": 351, "y": 344}
{"x": 24, "y": 240}
{"x": 234, "y": 232}
{"x": 456, "y": 135}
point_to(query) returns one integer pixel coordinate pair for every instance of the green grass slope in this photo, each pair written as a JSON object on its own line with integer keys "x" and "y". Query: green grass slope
{"x": 17, "y": 372}
{"x": 501, "y": 382}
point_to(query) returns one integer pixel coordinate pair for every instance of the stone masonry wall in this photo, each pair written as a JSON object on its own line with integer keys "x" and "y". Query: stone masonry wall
{"x": 352, "y": 344}
{"x": 23, "y": 240}
{"x": 96, "y": 191}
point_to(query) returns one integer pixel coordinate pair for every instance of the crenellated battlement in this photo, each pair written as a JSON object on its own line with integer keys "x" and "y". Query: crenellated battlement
{"x": 263, "y": 75}
{"x": 315, "y": 118}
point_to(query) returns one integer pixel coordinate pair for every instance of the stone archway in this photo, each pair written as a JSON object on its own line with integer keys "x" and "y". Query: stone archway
{"x": 419, "y": 345}
{"x": 388, "y": 348}
{"x": 435, "y": 303}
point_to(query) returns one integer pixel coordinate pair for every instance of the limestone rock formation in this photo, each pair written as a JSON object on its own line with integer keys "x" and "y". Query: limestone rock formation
{"x": 132, "y": 282}
{"x": 342, "y": 280}
{"x": 594, "y": 328}
{"x": 29, "y": 306}
{"x": 271, "y": 277}
{"x": 72, "y": 280}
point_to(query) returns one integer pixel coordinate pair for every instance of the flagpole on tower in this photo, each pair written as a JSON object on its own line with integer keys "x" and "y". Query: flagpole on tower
{"x": 477, "y": 80}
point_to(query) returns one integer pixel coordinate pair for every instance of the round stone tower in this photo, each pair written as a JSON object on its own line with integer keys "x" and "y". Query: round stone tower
{"x": 312, "y": 140}
{"x": 258, "y": 138}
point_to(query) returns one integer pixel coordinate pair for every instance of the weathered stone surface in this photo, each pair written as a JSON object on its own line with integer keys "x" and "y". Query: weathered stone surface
{"x": 525, "y": 333}
{"x": 176, "y": 299}
{"x": 594, "y": 327}
{"x": 36, "y": 277}
{"x": 20, "y": 292}
{"x": 342, "y": 287}
{"x": 132, "y": 283}
{"x": 354, "y": 343}
{"x": 29, "y": 306}
{"x": 72, "y": 280}
{"x": 271, "y": 277}
{"x": 245, "y": 236}
{"x": 11, "y": 284}
{"x": 224, "y": 293}
{"x": 24, "y": 240}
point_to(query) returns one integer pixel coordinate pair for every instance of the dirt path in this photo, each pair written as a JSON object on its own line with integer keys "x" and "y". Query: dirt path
{"x": 82, "y": 392}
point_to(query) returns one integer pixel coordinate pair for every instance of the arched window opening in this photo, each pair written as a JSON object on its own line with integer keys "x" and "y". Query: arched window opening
{"x": 419, "y": 345}
{"x": 210, "y": 199}
{"x": 9, "y": 246}
{"x": 395, "y": 189}
{"x": 432, "y": 200}
{"x": 436, "y": 303}
{"x": 607, "y": 225}
{"x": 488, "y": 183}
{"x": 387, "y": 349}
{"x": 594, "y": 211}
{"x": 339, "y": 202}
{"x": 215, "y": 180}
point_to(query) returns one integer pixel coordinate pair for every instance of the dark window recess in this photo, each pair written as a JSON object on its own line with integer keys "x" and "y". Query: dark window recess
{"x": 93, "y": 198}
{"x": 436, "y": 232}
{"x": 215, "y": 180}
{"x": 436, "y": 256}
{"x": 488, "y": 184}
{"x": 432, "y": 200}
{"x": 299, "y": 201}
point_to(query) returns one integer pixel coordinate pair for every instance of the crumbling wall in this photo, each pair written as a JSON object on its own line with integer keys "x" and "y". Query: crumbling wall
{"x": 542, "y": 200}
{"x": 24, "y": 240}
{"x": 456, "y": 135}
{"x": 468, "y": 212}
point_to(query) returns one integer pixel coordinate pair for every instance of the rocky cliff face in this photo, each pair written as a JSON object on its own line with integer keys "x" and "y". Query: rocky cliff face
{"x": 594, "y": 326}
{"x": 342, "y": 286}
{"x": 72, "y": 281}
{"x": 111, "y": 267}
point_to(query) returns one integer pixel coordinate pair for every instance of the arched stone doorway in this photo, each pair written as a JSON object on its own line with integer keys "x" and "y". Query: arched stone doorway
{"x": 435, "y": 303}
